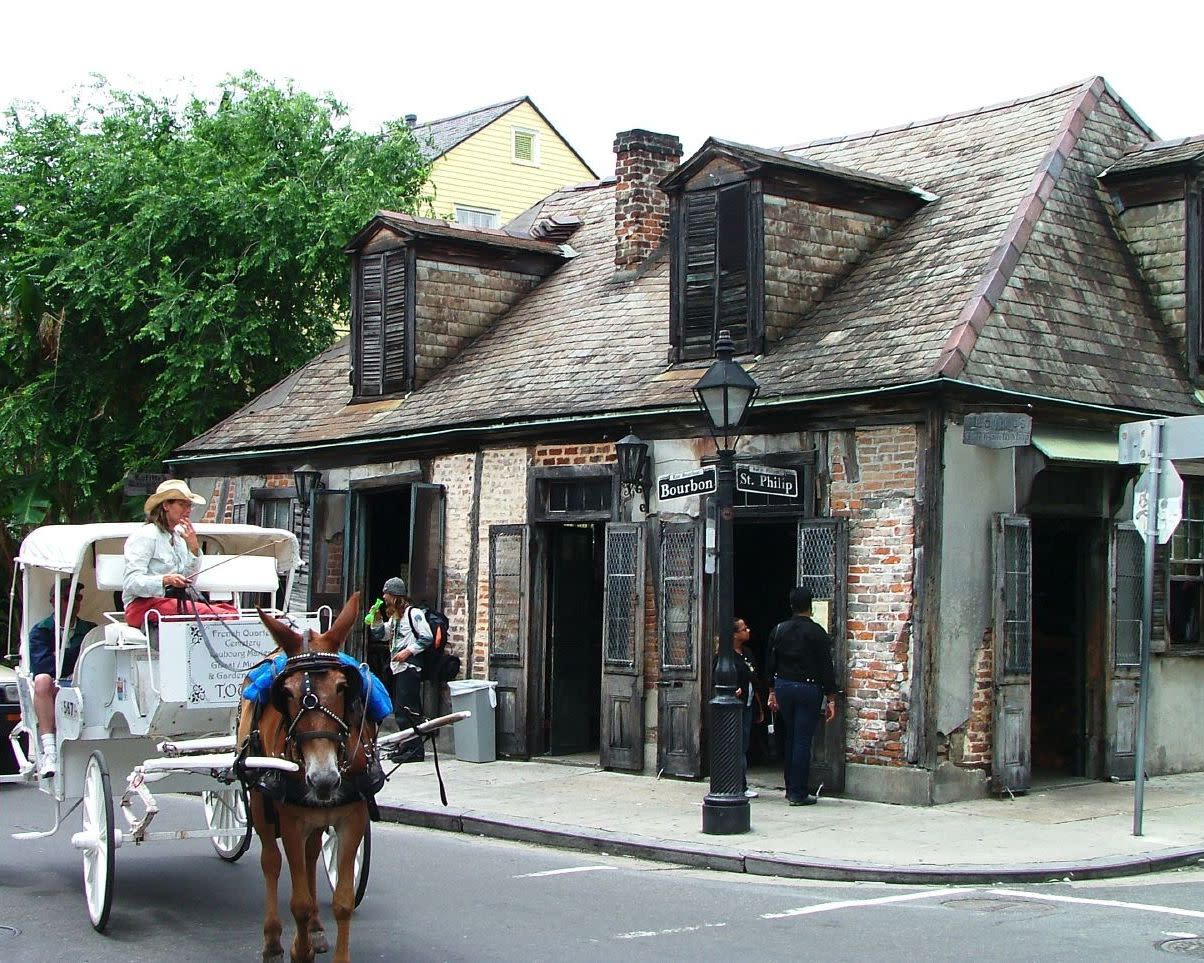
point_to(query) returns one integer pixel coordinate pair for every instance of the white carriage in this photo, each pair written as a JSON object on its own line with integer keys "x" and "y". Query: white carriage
{"x": 153, "y": 708}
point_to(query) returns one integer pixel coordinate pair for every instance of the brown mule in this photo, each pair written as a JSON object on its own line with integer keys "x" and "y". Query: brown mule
{"x": 315, "y": 717}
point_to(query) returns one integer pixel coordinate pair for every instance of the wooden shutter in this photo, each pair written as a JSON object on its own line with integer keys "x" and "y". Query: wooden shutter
{"x": 509, "y": 636}
{"x": 716, "y": 269}
{"x": 396, "y": 359}
{"x": 383, "y": 344}
{"x": 371, "y": 327}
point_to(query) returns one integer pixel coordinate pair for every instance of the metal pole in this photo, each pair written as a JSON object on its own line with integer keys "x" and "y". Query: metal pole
{"x": 1147, "y": 622}
{"x": 725, "y": 808}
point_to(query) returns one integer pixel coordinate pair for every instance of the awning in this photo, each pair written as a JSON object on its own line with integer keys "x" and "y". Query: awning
{"x": 1077, "y": 444}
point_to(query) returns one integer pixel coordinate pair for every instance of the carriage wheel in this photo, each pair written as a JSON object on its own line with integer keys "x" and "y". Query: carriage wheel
{"x": 363, "y": 860}
{"x": 99, "y": 837}
{"x": 226, "y": 809}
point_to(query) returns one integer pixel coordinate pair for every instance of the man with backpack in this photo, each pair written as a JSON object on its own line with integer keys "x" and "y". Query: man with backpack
{"x": 408, "y": 634}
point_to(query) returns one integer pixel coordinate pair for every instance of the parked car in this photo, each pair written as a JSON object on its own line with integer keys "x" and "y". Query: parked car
{"x": 10, "y": 714}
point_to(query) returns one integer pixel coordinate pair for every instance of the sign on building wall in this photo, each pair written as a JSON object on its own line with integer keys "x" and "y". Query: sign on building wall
{"x": 763, "y": 480}
{"x": 997, "y": 429}
{"x": 683, "y": 484}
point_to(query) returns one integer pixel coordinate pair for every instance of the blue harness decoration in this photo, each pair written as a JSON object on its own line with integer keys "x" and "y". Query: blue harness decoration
{"x": 376, "y": 699}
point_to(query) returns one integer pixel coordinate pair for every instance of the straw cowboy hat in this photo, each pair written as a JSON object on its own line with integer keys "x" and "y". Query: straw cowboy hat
{"x": 172, "y": 488}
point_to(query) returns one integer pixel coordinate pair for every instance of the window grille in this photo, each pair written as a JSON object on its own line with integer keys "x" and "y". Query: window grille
{"x": 679, "y": 595}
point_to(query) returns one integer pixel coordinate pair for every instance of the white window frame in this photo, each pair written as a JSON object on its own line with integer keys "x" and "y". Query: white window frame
{"x": 481, "y": 211}
{"x": 514, "y": 135}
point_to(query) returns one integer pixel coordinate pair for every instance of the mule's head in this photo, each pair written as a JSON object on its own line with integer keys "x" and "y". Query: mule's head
{"x": 319, "y": 698}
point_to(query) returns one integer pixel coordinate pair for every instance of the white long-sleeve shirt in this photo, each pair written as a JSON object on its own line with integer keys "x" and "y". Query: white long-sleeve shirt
{"x": 151, "y": 553}
{"x": 409, "y": 631}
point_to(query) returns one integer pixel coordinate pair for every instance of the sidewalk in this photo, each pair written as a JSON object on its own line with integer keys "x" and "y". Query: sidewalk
{"x": 1074, "y": 832}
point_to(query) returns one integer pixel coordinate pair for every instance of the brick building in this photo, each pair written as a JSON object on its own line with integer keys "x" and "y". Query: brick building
{"x": 948, "y": 322}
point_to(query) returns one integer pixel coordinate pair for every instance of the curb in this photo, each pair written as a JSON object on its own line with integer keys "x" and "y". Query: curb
{"x": 757, "y": 863}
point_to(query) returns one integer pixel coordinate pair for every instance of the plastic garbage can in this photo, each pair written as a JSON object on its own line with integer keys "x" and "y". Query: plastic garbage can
{"x": 475, "y": 737}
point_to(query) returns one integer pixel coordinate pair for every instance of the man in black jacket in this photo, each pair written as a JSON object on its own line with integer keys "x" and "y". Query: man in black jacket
{"x": 799, "y": 667}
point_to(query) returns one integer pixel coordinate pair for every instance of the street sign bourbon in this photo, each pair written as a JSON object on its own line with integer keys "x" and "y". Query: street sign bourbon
{"x": 763, "y": 480}
{"x": 701, "y": 482}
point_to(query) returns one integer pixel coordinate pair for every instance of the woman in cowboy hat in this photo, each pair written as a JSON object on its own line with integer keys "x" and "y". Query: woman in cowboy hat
{"x": 164, "y": 554}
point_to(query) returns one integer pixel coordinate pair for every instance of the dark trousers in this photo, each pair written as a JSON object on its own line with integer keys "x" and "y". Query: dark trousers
{"x": 407, "y": 694}
{"x": 748, "y": 721}
{"x": 798, "y": 708}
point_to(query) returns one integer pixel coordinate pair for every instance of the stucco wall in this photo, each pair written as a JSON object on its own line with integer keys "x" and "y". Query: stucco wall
{"x": 1173, "y": 741}
{"x": 977, "y": 485}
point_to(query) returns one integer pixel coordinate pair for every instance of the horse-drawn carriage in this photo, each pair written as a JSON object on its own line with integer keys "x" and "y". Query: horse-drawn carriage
{"x": 156, "y": 706}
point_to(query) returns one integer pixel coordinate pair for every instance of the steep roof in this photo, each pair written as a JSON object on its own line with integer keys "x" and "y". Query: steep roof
{"x": 437, "y": 137}
{"x": 1185, "y": 152}
{"x": 1011, "y": 279}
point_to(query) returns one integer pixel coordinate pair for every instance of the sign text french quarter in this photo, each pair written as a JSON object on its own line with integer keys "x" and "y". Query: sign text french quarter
{"x": 702, "y": 482}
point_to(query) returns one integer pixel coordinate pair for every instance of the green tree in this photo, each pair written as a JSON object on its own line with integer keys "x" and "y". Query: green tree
{"x": 160, "y": 265}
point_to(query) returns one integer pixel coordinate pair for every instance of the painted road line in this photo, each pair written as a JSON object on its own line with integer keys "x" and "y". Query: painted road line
{"x": 854, "y": 903}
{"x": 1113, "y": 903}
{"x": 562, "y": 872}
{"x": 673, "y": 931}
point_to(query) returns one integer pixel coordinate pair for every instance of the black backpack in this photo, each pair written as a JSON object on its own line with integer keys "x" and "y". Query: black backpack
{"x": 438, "y": 663}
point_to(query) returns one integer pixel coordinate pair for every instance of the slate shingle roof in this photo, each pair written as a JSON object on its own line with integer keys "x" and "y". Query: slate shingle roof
{"x": 1164, "y": 153}
{"x": 437, "y": 137}
{"x": 1012, "y": 279}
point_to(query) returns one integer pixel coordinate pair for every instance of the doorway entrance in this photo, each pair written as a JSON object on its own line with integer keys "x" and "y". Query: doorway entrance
{"x": 573, "y": 667}
{"x": 1059, "y": 662}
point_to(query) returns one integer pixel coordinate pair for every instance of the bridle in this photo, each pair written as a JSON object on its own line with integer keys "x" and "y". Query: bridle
{"x": 314, "y": 662}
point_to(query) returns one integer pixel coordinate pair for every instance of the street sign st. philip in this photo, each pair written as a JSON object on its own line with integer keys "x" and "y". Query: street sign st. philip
{"x": 764, "y": 480}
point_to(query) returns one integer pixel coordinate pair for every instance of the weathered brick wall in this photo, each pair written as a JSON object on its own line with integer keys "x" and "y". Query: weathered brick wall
{"x": 503, "y": 502}
{"x": 455, "y": 304}
{"x": 808, "y": 248}
{"x": 1157, "y": 237}
{"x": 455, "y": 473}
{"x": 873, "y": 482}
{"x": 554, "y": 455}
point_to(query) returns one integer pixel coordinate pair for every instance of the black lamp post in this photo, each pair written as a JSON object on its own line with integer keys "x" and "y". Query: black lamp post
{"x": 726, "y": 393}
{"x": 634, "y": 468}
{"x": 307, "y": 481}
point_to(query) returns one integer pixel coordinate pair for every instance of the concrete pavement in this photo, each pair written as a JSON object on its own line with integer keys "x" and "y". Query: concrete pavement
{"x": 1077, "y": 831}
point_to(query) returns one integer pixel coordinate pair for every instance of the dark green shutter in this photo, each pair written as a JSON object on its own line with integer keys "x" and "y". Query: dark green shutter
{"x": 371, "y": 330}
{"x": 715, "y": 292}
{"x": 698, "y": 315}
{"x": 395, "y": 363}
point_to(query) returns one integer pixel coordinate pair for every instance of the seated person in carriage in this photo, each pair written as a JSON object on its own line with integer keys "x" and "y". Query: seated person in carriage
{"x": 162, "y": 556}
{"x": 42, "y": 664}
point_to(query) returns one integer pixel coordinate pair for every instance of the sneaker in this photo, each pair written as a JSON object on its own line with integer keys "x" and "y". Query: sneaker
{"x": 751, "y": 794}
{"x": 48, "y": 764}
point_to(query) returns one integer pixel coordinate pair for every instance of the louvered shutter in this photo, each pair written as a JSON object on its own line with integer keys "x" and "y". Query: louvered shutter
{"x": 396, "y": 349}
{"x": 715, "y": 292}
{"x": 371, "y": 328}
{"x": 698, "y": 314}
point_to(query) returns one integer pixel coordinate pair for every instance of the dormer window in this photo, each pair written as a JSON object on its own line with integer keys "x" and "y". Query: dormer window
{"x": 383, "y": 323}
{"x": 718, "y": 270}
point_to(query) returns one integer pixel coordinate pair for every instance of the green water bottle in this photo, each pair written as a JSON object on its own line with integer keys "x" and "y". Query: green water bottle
{"x": 371, "y": 616}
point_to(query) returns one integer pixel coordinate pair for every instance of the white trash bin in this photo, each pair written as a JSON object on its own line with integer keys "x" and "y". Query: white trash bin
{"x": 475, "y": 737}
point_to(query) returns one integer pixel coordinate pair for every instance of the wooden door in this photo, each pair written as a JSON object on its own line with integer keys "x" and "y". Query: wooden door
{"x": 1011, "y": 760}
{"x": 426, "y": 544}
{"x": 509, "y": 633}
{"x": 622, "y": 710}
{"x": 1123, "y": 670}
{"x": 679, "y": 694}
{"x": 822, "y": 566}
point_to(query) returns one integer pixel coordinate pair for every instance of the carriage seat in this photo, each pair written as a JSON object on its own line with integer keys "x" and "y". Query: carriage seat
{"x": 219, "y": 573}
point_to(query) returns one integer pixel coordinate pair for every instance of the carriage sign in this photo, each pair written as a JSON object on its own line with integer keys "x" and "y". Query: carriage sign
{"x": 763, "y": 480}
{"x": 239, "y": 644}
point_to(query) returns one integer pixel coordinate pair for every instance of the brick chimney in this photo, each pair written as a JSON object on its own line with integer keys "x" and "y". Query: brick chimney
{"x": 642, "y": 159}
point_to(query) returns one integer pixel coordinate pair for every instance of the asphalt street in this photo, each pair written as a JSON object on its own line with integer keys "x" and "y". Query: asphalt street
{"x": 439, "y": 897}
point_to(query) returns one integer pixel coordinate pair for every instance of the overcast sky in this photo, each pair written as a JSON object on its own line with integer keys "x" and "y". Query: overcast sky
{"x": 762, "y": 73}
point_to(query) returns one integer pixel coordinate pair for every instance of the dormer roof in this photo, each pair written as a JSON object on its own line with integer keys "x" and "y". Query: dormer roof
{"x": 1186, "y": 153}
{"x": 408, "y": 227}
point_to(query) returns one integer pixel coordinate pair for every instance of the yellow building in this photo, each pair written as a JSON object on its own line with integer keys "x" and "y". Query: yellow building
{"x": 491, "y": 164}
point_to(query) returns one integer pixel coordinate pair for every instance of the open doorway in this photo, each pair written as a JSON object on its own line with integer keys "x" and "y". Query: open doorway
{"x": 1059, "y": 710}
{"x": 573, "y": 667}
{"x": 766, "y": 564}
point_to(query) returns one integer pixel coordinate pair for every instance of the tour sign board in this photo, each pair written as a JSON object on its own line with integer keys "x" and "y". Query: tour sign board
{"x": 763, "y": 480}
{"x": 141, "y": 483}
{"x": 997, "y": 429}
{"x": 683, "y": 484}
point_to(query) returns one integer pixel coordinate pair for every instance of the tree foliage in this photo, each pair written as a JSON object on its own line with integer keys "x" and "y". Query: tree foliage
{"x": 161, "y": 264}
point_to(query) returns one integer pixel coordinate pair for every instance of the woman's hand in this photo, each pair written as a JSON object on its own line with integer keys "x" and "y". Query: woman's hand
{"x": 188, "y": 533}
{"x": 174, "y": 580}
{"x": 402, "y": 656}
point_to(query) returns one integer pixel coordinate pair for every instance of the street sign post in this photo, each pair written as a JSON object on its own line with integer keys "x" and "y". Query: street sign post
{"x": 763, "y": 480}
{"x": 686, "y": 483}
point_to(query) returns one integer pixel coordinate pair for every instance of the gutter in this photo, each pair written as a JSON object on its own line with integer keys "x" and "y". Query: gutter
{"x": 642, "y": 414}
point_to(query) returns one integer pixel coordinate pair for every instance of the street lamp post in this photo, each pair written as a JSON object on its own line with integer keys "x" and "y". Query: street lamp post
{"x": 725, "y": 393}
{"x": 307, "y": 480}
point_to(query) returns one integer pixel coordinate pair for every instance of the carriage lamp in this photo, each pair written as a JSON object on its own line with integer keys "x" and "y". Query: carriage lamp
{"x": 725, "y": 394}
{"x": 307, "y": 480}
{"x": 634, "y": 468}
